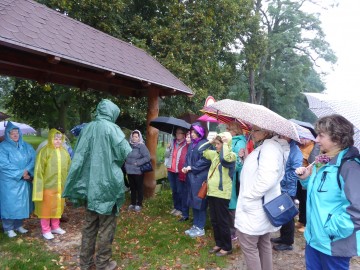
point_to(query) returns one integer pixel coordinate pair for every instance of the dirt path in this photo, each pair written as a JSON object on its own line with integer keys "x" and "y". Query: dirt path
{"x": 68, "y": 246}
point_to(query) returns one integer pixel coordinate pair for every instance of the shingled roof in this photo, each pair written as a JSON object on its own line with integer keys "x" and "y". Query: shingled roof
{"x": 39, "y": 43}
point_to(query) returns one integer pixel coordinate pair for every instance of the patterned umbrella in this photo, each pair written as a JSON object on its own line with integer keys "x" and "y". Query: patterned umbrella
{"x": 223, "y": 118}
{"x": 325, "y": 104}
{"x": 257, "y": 115}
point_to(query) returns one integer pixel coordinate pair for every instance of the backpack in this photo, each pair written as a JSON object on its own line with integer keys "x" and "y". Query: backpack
{"x": 354, "y": 158}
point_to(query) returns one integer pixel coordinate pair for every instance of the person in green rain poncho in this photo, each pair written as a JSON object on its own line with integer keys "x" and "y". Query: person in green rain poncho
{"x": 51, "y": 168}
{"x": 96, "y": 181}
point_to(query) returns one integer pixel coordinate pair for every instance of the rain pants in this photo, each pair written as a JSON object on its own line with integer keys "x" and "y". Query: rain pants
{"x": 15, "y": 192}
{"x": 95, "y": 179}
{"x": 51, "y": 168}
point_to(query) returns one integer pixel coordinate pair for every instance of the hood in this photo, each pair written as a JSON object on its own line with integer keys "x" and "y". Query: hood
{"x": 10, "y": 126}
{"x": 107, "y": 110}
{"x": 51, "y": 136}
{"x": 227, "y": 135}
{"x": 199, "y": 129}
{"x": 141, "y": 140}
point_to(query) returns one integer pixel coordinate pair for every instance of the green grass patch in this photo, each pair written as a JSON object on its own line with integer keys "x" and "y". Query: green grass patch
{"x": 33, "y": 140}
{"x": 154, "y": 239}
{"x": 26, "y": 253}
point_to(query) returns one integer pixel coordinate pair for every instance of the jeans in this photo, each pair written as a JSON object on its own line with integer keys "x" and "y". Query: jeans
{"x": 175, "y": 187}
{"x": 199, "y": 218}
{"x": 316, "y": 260}
{"x": 11, "y": 224}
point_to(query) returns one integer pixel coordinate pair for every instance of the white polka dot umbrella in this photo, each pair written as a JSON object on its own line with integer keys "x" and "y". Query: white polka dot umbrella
{"x": 326, "y": 104}
{"x": 257, "y": 115}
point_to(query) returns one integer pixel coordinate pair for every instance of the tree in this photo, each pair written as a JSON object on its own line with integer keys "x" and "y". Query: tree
{"x": 279, "y": 63}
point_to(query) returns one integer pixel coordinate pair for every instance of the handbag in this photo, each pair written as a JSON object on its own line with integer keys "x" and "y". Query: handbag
{"x": 146, "y": 167}
{"x": 280, "y": 210}
{"x": 204, "y": 186}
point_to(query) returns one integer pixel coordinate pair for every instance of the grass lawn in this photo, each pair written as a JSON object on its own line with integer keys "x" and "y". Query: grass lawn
{"x": 33, "y": 140}
{"x": 151, "y": 239}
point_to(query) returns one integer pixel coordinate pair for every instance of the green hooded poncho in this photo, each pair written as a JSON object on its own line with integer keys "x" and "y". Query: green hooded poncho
{"x": 95, "y": 178}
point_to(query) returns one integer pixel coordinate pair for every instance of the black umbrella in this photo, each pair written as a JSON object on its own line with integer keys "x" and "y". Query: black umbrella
{"x": 307, "y": 125}
{"x": 169, "y": 124}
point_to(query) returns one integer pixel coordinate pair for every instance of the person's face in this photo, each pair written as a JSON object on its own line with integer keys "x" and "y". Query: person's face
{"x": 188, "y": 139}
{"x": 14, "y": 135}
{"x": 180, "y": 135}
{"x": 57, "y": 141}
{"x": 325, "y": 143}
{"x": 135, "y": 137}
{"x": 257, "y": 134}
{"x": 194, "y": 135}
{"x": 218, "y": 145}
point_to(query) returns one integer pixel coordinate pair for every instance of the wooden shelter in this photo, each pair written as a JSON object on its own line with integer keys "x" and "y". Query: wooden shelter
{"x": 41, "y": 44}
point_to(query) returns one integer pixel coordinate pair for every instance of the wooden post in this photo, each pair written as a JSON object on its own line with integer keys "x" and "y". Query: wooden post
{"x": 151, "y": 139}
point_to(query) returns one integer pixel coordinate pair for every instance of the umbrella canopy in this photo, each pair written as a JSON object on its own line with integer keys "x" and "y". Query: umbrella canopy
{"x": 257, "y": 115}
{"x": 304, "y": 133}
{"x": 207, "y": 118}
{"x": 223, "y": 118}
{"x": 325, "y": 104}
{"x": 306, "y": 125}
{"x": 25, "y": 129}
{"x": 169, "y": 124}
{"x": 77, "y": 129}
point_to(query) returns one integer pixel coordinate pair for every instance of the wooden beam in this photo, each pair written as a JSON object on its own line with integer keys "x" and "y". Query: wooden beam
{"x": 52, "y": 59}
{"x": 151, "y": 139}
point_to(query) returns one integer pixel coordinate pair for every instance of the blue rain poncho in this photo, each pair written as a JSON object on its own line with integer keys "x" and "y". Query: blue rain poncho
{"x": 15, "y": 192}
{"x": 95, "y": 178}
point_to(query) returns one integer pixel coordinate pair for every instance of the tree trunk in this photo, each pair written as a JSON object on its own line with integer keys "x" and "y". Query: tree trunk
{"x": 252, "y": 92}
{"x": 152, "y": 138}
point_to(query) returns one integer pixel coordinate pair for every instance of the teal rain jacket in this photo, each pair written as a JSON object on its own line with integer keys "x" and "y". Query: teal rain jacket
{"x": 95, "y": 179}
{"x": 333, "y": 212}
{"x": 15, "y": 193}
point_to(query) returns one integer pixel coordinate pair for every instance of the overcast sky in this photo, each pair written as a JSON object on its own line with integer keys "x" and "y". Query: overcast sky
{"x": 341, "y": 26}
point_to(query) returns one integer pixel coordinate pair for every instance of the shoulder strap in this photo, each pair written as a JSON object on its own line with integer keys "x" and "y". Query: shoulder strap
{"x": 354, "y": 158}
{"x": 214, "y": 170}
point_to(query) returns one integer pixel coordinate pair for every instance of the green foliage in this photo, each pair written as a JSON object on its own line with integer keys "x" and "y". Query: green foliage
{"x": 160, "y": 154}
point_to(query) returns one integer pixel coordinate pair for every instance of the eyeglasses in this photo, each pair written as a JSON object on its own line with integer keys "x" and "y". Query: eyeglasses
{"x": 179, "y": 133}
{"x": 256, "y": 130}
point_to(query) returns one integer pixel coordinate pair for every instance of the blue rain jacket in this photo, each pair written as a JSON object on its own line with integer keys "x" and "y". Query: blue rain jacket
{"x": 15, "y": 193}
{"x": 333, "y": 213}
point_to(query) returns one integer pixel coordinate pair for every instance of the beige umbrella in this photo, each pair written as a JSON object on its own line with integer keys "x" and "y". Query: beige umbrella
{"x": 257, "y": 115}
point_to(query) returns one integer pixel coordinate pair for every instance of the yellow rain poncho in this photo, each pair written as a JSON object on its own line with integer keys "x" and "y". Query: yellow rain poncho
{"x": 51, "y": 169}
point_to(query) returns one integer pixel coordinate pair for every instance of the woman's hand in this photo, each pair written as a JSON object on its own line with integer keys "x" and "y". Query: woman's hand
{"x": 224, "y": 139}
{"x": 304, "y": 172}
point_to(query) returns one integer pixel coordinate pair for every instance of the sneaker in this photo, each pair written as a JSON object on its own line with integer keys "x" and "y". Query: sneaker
{"x": 21, "y": 229}
{"x": 187, "y": 232}
{"x": 282, "y": 247}
{"x": 58, "y": 231}
{"x": 11, "y": 233}
{"x": 131, "y": 207}
{"x": 48, "y": 236}
{"x": 177, "y": 213}
{"x": 197, "y": 233}
{"x": 173, "y": 211}
{"x": 137, "y": 208}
